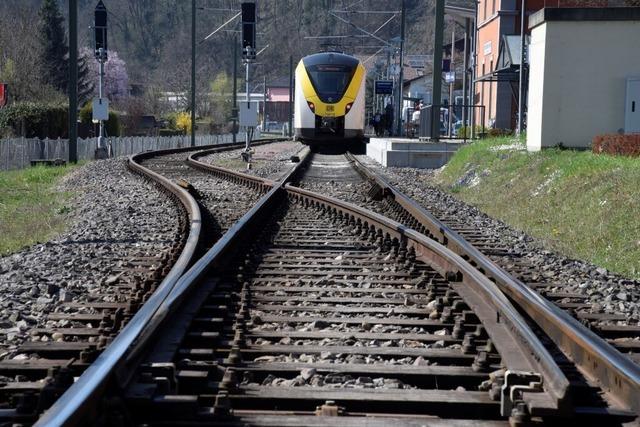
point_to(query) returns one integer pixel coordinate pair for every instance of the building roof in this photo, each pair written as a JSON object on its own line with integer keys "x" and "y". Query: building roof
{"x": 584, "y": 14}
{"x": 279, "y": 82}
{"x": 460, "y": 11}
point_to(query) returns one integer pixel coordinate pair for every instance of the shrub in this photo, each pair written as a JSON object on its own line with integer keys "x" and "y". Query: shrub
{"x": 35, "y": 120}
{"x": 497, "y": 132}
{"x": 170, "y": 132}
{"x": 183, "y": 122}
{"x": 617, "y": 145}
{"x": 465, "y": 131}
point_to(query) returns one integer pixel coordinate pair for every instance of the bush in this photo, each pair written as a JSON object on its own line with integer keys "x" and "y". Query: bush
{"x": 170, "y": 132}
{"x": 113, "y": 127}
{"x": 183, "y": 123}
{"x": 465, "y": 131}
{"x": 497, "y": 132}
{"x": 35, "y": 120}
{"x": 617, "y": 145}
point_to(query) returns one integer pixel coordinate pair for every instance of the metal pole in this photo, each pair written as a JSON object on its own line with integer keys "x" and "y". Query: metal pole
{"x": 264, "y": 105}
{"x": 437, "y": 71}
{"x": 235, "y": 89}
{"x": 73, "y": 81}
{"x": 465, "y": 77}
{"x": 452, "y": 68}
{"x": 521, "y": 95}
{"x": 101, "y": 54}
{"x": 193, "y": 73}
{"x": 247, "y": 139}
{"x": 291, "y": 96}
{"x": 401, "y": 74}
{"x": 474, "y": 70}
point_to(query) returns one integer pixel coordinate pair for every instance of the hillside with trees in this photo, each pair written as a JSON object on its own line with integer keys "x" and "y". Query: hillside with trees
{"x": 150, "y": 44}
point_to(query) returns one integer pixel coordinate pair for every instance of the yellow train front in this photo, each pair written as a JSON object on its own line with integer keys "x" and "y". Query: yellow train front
{"x": 329, "y": 99}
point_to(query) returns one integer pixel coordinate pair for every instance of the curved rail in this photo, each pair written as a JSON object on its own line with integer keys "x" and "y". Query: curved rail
{"x": 81, "y": 398}
{"x": 601, "y": 361}
{"x": 449, "y": 264}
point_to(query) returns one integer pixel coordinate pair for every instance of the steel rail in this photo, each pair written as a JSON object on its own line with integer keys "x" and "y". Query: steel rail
{"x": 81, "y": 398}
{"x": 598, "y": 359}
{"x": 448, "y": 263}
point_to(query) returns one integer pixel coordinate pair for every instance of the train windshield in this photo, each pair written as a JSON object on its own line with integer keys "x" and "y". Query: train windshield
{"x": 331, "y": 80}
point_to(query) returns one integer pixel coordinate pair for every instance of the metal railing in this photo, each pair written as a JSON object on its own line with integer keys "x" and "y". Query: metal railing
{"x": 454, "y": 122}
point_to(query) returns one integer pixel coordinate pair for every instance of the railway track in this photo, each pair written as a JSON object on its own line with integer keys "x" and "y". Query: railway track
{"x": 311, "y": 308}
{"x": 42, "y": 370}
{"x": 623, "y": 337}
{"x": 501, "y": 265}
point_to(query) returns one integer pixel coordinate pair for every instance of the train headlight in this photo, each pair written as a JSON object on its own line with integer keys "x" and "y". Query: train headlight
{"x": 348, "y": 108}
{"x": 312, "y": 106}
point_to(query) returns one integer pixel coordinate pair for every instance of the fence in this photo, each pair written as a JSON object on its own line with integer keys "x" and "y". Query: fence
{"x": 450, "y": 126}
{"x": 17, "y": 153}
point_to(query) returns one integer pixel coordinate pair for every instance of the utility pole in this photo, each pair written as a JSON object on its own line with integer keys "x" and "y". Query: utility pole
{"x": 437, "y": 71}
{"x": 521, "y": 99}
{"x": 291, "y": 89}
{"x": 193, "y": 73}
{"x": 234, "y": 110}
{"x": 465, "y": 76}
{"x": 452, "y": 84}
{"x": 73, "y": 81}
{"x": 399, "y": 103}
{"x": 264, "y": 104}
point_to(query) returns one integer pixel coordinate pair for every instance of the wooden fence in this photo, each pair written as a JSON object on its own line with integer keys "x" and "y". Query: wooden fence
{"x": 17, "y": 153}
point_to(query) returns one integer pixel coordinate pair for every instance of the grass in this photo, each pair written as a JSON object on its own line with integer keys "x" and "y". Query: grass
{"x": 32, "y": 210}
{"x": 583, "y": 205}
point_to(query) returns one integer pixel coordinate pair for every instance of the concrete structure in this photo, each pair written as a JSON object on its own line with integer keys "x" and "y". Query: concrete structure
{"x": 498, "y": 59}
{"x": 581, "y": 62}
{"x": 399, "y": 152}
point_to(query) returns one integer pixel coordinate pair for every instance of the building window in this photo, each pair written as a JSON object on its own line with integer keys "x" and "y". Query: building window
{"x": 493, "y": 7}
{"x": 486, "y": 48}
{"x": 484, "y": 17}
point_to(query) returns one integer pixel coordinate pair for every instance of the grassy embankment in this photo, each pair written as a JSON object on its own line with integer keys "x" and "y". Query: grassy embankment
{"x": 583, "y": 205}
{"x": 31, "y": 208}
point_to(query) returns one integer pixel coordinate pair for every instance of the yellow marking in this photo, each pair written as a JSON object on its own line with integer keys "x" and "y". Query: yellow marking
{"x": 325, "y": 109}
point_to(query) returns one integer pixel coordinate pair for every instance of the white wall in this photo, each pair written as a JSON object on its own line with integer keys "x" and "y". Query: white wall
{"x": 578, "y": 77}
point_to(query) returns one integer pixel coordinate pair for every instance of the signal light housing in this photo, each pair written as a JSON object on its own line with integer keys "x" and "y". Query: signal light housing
{"x": 348, "y": 107}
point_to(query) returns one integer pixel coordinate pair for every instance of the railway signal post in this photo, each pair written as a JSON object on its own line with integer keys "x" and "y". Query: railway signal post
{"x": 101, "y": 105}
{"x": 248, "y": 56}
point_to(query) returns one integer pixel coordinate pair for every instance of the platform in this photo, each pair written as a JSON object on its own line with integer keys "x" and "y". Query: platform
{"x": 401, "y": 152}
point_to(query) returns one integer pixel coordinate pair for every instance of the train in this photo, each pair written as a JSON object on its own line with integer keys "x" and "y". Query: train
{"x": 329, "y": 100}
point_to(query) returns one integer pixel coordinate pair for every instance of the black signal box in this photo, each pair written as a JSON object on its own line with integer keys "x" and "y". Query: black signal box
{"x": 248, "y": 27}
{"x": 100, "y": 26}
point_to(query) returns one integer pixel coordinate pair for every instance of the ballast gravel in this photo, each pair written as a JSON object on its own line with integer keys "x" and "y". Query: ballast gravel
{"x": 606, "y": 292}
{"x": 222, "y": 202}
{"x": 270, "y": 161}
{"x": 116, "y": 218}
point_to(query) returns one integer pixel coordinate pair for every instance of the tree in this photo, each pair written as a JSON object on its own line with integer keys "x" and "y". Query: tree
{"x": 116, "y": 78}
{"x": 53, "y": 44}
{"x": 221, "y": 98}
{"x": 55, "y": 53}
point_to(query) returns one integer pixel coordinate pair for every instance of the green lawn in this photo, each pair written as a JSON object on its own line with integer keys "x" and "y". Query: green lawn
{"x": 583, "y": 205}
{"x": 31, "y": 209}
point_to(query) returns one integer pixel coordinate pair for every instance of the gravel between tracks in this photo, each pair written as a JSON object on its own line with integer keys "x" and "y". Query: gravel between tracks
{"x": 116, "y": 216}
{"x": 607, "y": 292}
{"x": 222, "y": 202}
{"x": 269, "y": 161}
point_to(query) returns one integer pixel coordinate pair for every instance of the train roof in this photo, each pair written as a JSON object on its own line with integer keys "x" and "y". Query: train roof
{"x": 326, "y": 58}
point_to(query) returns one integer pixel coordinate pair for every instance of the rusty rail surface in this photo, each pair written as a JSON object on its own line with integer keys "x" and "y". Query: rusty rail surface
{"x": 597, "y": 358}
